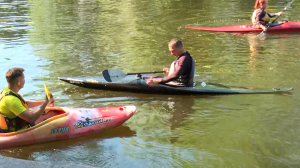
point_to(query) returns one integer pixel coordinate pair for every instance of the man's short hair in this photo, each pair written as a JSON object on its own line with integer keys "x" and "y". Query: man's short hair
{"x": 175, "y": 43}
{"x": 13, "y": 73}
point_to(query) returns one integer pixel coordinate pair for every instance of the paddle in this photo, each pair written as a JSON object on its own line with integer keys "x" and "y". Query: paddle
{"x": 288, "y": 6}
{"x": 113, "y": 75}
{"x": 47, "y": 92}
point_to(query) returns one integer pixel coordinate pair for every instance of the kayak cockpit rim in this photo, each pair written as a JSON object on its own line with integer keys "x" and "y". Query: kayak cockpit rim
{"x": 46, "y": 121}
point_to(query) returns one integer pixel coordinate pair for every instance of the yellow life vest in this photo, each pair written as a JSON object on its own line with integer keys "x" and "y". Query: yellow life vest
{"x": 265, "y": 19}
{"x": 6, "y": 123}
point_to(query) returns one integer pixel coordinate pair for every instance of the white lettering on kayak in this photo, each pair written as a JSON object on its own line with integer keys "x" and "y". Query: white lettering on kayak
{"x": 76, "y": 82}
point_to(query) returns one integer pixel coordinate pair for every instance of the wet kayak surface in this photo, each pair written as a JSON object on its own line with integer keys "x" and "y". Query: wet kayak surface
{"x": 81, "y": 39}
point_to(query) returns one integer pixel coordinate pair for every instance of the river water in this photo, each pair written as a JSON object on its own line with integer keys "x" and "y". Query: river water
{"x": 81, "y": 38}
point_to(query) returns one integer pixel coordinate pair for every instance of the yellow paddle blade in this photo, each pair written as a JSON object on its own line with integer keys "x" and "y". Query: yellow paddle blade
{"x": 47, "y": 91}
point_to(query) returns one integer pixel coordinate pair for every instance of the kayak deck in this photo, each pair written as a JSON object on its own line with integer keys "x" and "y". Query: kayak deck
{"x": 282, "y": 27}
{"x": 138, "y": 85}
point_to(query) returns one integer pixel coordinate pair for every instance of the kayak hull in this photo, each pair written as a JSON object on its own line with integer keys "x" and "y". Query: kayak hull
{"x": 60, "y": 123}
{"x": 138, "y": 85}
{"x": 284, "y": 27}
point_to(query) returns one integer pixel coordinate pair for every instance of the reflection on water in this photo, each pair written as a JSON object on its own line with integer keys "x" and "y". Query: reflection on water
{"x": 82, "y": 38}
{"x": 255, "y": 46}
{"x": 50, "y": 149}
{"x": 14, "y": 21}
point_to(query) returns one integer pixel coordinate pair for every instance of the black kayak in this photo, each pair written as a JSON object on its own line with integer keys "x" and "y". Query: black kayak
{"x": 138, "y": 85}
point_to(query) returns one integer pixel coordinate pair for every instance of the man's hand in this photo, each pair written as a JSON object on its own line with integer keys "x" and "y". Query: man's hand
{"x": 166, "y": 70}
{"x": 264, "y": 28}
{"x": 52, "y": 101}
{"x": 279, "y": 13}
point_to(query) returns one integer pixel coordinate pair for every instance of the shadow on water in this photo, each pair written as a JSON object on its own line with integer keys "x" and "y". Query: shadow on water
{"x": 27, "y": 152}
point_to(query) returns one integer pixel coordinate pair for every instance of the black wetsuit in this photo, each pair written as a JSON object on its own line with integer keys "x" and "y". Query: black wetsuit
{"x": 184, "y": 70}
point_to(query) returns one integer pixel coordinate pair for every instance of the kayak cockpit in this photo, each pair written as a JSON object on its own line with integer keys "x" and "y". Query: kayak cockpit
{"x": 277, "y": 23}
{"x": 49, "y": 113}
{"x": 170, "y": 84}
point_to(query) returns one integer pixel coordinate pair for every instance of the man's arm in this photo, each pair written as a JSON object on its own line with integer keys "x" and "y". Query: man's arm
{"x": 31, "y": 117}
{"x": 271, "y": 15}
{"x": 180, "y": 66}
{"x": 258, "y": 14}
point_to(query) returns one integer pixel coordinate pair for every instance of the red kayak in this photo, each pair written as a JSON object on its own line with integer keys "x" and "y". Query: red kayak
{"x": 282, "y": 27}
{"x": 59, "y": 123}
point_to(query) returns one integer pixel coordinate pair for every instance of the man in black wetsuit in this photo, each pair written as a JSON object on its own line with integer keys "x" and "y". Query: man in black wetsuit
{"x": 183, "y": 71}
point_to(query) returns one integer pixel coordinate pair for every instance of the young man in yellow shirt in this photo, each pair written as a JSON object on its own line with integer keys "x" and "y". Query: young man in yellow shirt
{"x": 14, "y": 110}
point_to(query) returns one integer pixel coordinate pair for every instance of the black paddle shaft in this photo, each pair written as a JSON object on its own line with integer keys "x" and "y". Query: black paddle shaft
{"x": 109, "y": 78}
{"x": 145, "y": 72}
{"x": 289, "y": 4}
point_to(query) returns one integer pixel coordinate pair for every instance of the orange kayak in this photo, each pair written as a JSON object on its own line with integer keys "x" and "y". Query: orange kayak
{"x": 59, "y": 123}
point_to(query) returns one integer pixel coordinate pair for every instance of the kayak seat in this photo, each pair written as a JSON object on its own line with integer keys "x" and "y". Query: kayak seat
{"x": 172, "y": 84}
